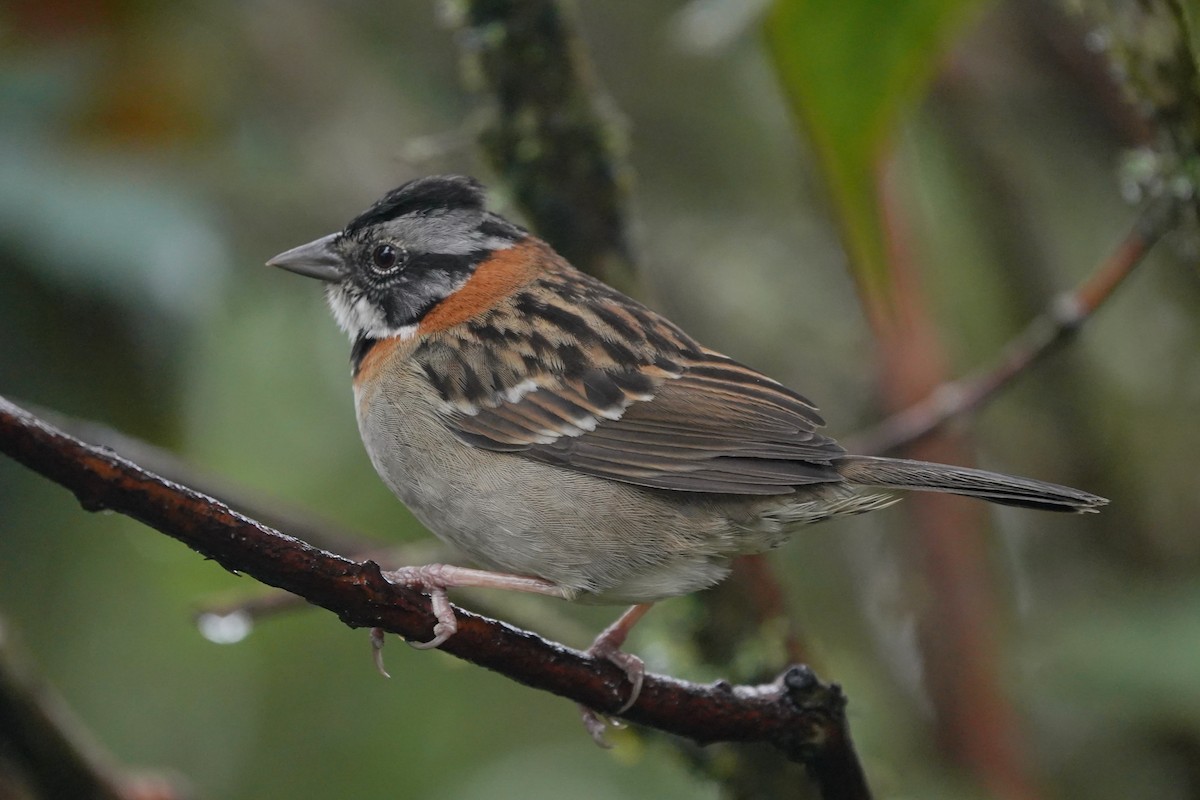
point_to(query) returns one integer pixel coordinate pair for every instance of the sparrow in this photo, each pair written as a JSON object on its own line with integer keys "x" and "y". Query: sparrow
{"x": 565, "y": 437}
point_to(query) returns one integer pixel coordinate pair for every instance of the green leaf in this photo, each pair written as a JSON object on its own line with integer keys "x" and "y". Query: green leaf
{"x": 1189, "y": 12}
{"x": 849, "y": 67}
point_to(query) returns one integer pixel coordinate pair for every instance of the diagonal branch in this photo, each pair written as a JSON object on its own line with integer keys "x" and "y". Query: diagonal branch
{"x": 45, "y": 749}
{"x": 796, "y": 713}
{"x": 1042, "y": 336}
{"x": 273, "y": 513}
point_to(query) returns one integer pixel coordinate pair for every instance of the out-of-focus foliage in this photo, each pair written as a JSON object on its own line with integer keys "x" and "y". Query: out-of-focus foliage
{"x": 152, "y": 156}
{"x": 849, "y": 98}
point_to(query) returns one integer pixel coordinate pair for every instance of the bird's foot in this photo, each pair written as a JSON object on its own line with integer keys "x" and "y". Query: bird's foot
{"x": 435, "y": 579}
{"x": 608, "y": 646}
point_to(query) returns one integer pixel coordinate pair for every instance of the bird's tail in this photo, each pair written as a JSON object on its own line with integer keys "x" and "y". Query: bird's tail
{"x": 1009, "y": 490}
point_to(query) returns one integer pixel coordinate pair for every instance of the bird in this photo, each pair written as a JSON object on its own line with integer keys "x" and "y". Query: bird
{"x": 567, "y": 439}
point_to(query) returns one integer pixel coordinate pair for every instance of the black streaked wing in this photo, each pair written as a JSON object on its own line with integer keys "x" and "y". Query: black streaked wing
{"x": 549, "y": 408}
{"x": 717, "y": 427}
{"x": 568, "y": 371}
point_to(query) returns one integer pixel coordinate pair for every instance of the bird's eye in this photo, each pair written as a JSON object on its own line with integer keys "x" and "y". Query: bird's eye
{"x": 386, "y": 258}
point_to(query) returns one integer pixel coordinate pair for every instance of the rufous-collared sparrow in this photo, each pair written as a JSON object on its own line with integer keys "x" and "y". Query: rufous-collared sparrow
{"x": 567, "y": 438}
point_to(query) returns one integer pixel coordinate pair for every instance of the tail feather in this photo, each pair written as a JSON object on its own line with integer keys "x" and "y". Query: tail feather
{"x": 1009, "y": 490}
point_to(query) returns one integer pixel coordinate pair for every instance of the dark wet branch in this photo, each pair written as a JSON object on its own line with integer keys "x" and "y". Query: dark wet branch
{"x": 271, "y": 512}
{"x": 796, "y": 713}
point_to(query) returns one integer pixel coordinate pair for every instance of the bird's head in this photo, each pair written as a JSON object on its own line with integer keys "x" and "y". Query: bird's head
{"x": 404, "y": 255}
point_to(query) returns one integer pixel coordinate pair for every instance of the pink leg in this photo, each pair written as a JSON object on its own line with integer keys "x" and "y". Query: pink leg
{"x": 608, "y": 645}
{"x": 437, "y": 578}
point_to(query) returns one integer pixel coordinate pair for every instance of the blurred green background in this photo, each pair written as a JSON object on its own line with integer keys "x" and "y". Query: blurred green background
{"x": 153, "y": 156}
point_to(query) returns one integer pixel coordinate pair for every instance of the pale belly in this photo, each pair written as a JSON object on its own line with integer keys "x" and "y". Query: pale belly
{"x": 599, "y": 538}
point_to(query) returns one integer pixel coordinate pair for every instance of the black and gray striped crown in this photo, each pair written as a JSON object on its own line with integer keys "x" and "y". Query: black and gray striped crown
{"x": 435, "y": 192}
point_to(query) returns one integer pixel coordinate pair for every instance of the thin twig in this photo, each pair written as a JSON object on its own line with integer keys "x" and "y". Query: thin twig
{"x": 55, "y": 755}
{"x": 796, "y": 713}
{"x": 1048, "y": 332}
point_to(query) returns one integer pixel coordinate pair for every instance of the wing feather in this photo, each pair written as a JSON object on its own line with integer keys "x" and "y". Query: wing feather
{"x": 666, "y": 414}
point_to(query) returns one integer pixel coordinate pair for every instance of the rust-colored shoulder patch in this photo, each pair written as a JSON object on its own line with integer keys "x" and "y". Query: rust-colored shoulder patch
{"x": 380, "y": 353}
{"x": 500, "y": 275}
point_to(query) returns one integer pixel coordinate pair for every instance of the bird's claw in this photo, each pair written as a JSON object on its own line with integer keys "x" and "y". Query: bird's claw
{"x": 633, "y": 667}
{"x": 596, "y": 726}
{"x": 442, "y": 630}
{"x": 432, "y": 580}
{"x": 635, "y": 671}
{"x": 427, "y": 580}
{"x": 377, "y": 643}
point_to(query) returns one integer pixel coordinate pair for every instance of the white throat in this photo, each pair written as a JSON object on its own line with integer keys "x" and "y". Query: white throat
{"x": 356, "y": 315}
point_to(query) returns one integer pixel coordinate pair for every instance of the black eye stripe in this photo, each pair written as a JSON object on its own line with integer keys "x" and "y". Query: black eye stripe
{"x": 417, "y": 282}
